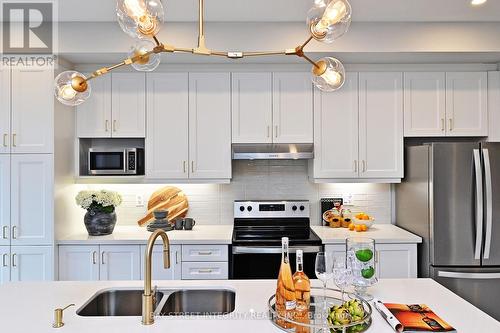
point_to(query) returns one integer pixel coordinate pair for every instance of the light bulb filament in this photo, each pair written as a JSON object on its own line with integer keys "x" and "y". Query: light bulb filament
{"x": 334, "y": 13}
{"x": 137, "y": 10}
{"x": 67, "y": 92}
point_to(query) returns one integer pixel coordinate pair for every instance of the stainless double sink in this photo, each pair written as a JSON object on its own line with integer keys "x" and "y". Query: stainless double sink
{"x": 169, "y": 302}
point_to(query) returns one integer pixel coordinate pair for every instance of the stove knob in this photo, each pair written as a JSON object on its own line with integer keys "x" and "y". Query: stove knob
{"x": 302, "y": 208}
{"x": 294, "y": 208}
{"x": 242, "y": 208}
{"x": 249, "y": 208}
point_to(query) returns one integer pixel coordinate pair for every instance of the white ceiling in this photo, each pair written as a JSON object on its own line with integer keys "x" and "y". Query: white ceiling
{"x": 293, "y": 10}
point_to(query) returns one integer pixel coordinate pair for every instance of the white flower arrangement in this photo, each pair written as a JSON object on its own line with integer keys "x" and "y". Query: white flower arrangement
{"x": 102, "y": 200}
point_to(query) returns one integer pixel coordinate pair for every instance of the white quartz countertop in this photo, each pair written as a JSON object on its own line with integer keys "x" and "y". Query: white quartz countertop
{"x": 201, "y": 234}
{"x": 382, "y": 233}
{"x": 28, "y": 307}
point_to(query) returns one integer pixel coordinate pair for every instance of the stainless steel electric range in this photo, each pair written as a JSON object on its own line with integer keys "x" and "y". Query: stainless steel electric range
{"x": 258, "y": 228}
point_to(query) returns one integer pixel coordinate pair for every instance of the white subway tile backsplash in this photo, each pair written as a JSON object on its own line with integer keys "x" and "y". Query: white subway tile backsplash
{"x": 255, "y": 180}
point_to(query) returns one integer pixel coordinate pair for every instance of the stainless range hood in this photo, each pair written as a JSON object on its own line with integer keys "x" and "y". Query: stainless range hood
{"x": 278, "y": 151}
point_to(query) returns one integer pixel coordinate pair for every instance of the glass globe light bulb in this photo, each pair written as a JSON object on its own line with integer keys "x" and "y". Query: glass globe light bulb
{"x": 140, "y": 18}
{"x": 328, "y": 74}
{"x": 329, "y": 20}
{"x": 147, "y": 63}
{"x": 71, "y": 88}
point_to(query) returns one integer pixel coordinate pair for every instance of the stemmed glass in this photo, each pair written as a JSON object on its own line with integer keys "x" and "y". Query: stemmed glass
{"x": 324, "y": 270}
{"x": 342, "y": 273}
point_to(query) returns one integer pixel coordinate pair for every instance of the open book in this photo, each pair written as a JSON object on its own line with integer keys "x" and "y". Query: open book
{"x": 412, "y": 318}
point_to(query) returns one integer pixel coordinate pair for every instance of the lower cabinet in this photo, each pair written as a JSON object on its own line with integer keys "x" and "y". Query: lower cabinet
{"x": 119, "y": 262}
{"x": 79, "y": 263}
{"x": 393, "y": 261}
{"x": 31, "y": 263}
{"x": 5, "y": 268}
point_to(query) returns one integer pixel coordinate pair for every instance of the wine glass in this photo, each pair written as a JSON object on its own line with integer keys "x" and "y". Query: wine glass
{"x": 342, "y": 273}
{"x": 324, "y": 270}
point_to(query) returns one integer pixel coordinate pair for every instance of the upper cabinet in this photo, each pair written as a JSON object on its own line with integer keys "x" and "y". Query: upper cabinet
{"x": 209, "y": 125}
{"x": 381, "y": 125}
{"x": 446, "y": 104}
{"x": 28, "y": 106}
{"x": 467, "y": 103}
{"x": 494, "y": 106}
{"x": 292, "y": 107}
{"x": 116, "y": 108}
{"x": 359, "y": 129}
{"x": 272, "y": 107}
{"x": 424, "y": 103}
{"x": 252, "y": 111}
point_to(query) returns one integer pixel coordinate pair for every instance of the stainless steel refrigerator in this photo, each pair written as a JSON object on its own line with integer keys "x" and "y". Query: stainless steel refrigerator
{"x": 450, "y": 196}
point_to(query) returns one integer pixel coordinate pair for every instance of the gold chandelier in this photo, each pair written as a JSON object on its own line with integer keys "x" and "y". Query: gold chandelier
{"x": 327, "y": 20}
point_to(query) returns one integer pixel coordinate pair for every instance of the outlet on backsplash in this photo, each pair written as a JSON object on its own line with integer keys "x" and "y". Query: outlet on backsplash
{"x": 347, "y": 198}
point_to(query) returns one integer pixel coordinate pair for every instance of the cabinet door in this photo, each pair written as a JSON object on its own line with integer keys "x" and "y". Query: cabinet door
{"x": 32, "y": 263}
{"x": 467, "y": 103}
{"x": 252, "y": 107}
{"x": 32, "y": 199}
{"x": 5, "y": 267}
{"x": 424, "y": 104}
{"x": 5, "y": 110}
{"x": 32, "y": 111}
{"x": 167, "y": 123}
{"x": 93, "y": 118}
{"x": 120, "y": 262}
{"x": 396, "y": 261}
{"x": 381, "y": 125}
{"x": 128, "y": 105}
{"x": 5, "y": 195}
{"x": 157, "y": 270}
{"x": 336, "y": 131}
{"x": 210, "y": 125}
{"x": 292, "y": 108}
{"x": 78, "y": 262}
{"x": 493, "y": 106}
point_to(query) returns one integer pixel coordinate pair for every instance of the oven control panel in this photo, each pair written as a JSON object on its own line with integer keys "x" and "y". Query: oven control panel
{"x": 256, "y": 209}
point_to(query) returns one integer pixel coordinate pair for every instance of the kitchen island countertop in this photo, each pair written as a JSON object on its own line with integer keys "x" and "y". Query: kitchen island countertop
{"x": 28, "y": 307}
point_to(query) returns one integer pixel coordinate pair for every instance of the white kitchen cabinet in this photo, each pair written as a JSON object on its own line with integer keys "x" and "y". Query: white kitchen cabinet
{"x": 32, "y": 263}
{"x": 396, "y": 261}
{"x": 252, "y": 107}
{"x": 79, "y": 262}
{"x": 336, "y": 131}
{"x": 157, "y": 270}
{"x": 209, "y": 125}
{"x": 5, "y": 110}
{"x": 93, "y": 118}
{"x": 167, "y": 125}
{"x": 5, "y": 196}
{"x": 32, "y": 111}
{"x": 5, "y": 268}
{"x": 424, "y": 104}
{"x": 494, "y": 106}
{"x": 32, "y": 199}
{"x": 204, "y": 270}
{"x": 205, "y": 253}
{"x": 381, "y": 124}
{"x": 120, "y": 262}
{"x": 467, "y": 103}
{"x": 292, "y": 107}
{"x": 128, "y": 105}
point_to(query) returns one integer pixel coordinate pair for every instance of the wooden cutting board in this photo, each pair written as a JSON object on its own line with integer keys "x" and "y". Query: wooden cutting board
{"x": 169, "y": 198}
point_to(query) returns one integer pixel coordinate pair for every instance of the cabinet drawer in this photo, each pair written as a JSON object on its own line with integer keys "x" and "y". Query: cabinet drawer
{"x": 204, "y": 253}
{"x": 204, "y": 270}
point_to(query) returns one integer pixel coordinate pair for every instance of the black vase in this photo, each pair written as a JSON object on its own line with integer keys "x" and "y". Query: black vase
{"x": 99, "y": 223}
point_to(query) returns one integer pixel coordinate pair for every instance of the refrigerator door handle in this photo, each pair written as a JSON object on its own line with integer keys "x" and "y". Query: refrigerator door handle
{"x": 479, "y": 205}
{"x": 489, "y": 203}
{"x": 464, "y": 275}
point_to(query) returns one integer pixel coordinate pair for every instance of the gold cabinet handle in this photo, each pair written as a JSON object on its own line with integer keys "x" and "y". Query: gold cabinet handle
{"x": 14, "y": 261}
{"x": 102, "y": 258}
{"x": 106, "y": 125}
{"x": 176, "y": 257}
{"x": 184, "y": 166}
{"x": 204, "y": 271}
{"x": 276, "y": 131}
{"x": 363, "y": 162}
{"x": 5, "y": 136}
{"x": 94, "y": 257}
{"x": 14, "y": 232}
{"x": 451, "y": 124}
{"x": 5, "y": 230}
{"x": 268, "y": 131}
{"x": 4, "y": 260}
{"x": 58, "y": 316}
{"x": 14, "y": 140}
{"x": 204, "y": 253}
{"x": 356, "y": 166}
{"x": 114, "y": 125}
{"x": 192, "y": 166}
{"x": 442, "y": 125}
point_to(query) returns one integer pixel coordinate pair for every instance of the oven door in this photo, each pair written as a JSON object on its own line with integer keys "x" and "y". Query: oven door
{"x": 107, "y": 162}
{"x": 258, "y": 262}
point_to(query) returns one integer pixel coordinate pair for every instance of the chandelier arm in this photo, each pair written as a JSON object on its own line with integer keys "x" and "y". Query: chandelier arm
{"x": 309, "y": 60}
{"x": 156, "y": 41}
{"x": 306, "y": 42}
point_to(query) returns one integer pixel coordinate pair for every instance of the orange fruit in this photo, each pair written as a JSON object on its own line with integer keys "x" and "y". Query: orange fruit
{"x": 364, "y": 227}
{"x": 352, "y": 226}
{"x": 358, "y": 228}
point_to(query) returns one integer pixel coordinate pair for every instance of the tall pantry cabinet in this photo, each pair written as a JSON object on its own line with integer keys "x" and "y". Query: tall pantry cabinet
{"x": 26, "y": 174}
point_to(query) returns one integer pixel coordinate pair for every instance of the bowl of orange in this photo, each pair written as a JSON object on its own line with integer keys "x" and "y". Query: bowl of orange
{"x": 363, "y": 219}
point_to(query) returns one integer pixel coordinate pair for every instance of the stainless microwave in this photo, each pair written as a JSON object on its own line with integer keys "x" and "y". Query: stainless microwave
{"x": 126, "y": 161}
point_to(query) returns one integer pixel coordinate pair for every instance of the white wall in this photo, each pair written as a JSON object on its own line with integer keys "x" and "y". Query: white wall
{"x": 257, "y": 180}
